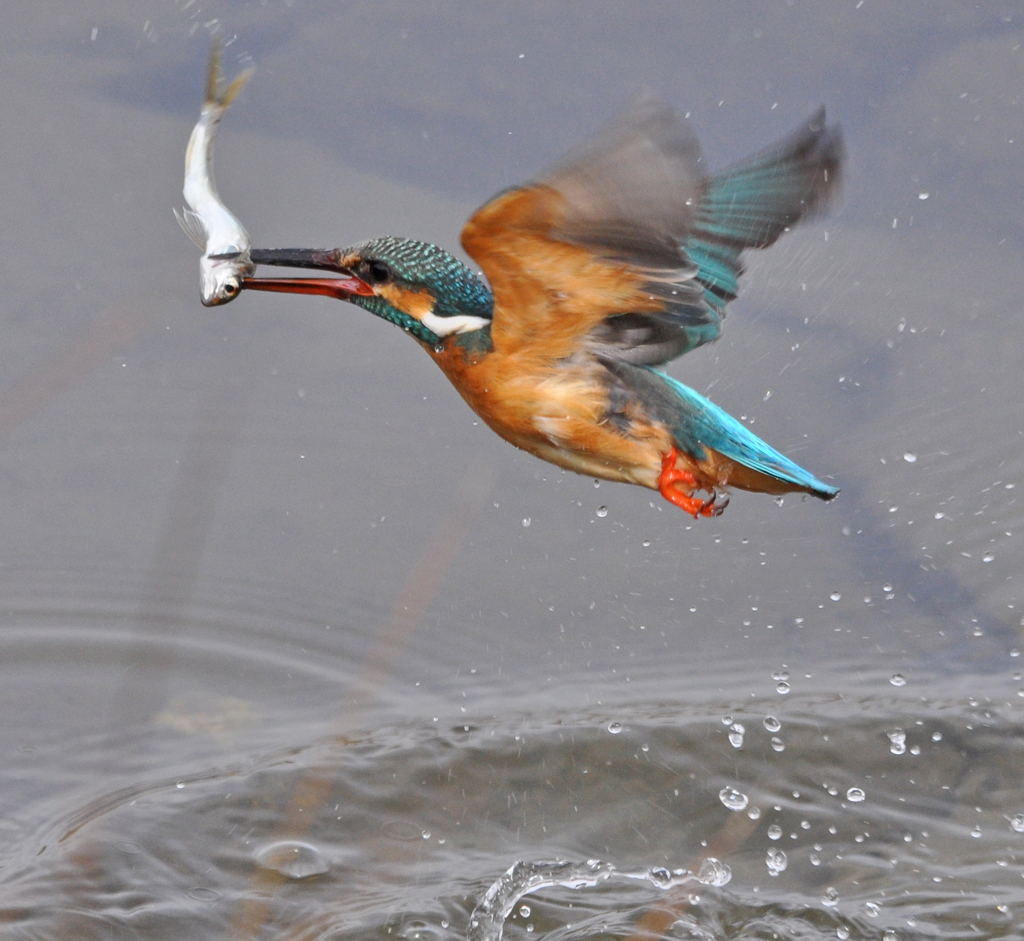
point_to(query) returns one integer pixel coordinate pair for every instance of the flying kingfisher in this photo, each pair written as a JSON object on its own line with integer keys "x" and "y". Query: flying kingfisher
{"x": 618, "y": 260}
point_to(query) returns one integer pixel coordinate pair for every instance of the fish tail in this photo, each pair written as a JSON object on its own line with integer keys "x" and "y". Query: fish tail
{"x": 214, "y": 77}
{"x": 751, "y": 204}
{"x": 213, "y": 73}
{"x": 237, "y": 84}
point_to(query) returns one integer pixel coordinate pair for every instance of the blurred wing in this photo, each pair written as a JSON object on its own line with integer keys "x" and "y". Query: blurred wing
{"x": 590, "y": 256}
{"x": 629, "y": 249}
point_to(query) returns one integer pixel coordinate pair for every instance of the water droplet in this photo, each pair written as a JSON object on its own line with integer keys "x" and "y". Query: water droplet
{"x": 524, "y": 910}
{"x": 910, "y": 457}
{"x": 754, "y": 813}
{"x": 815, "y": 859}
{"x": 842, "y": 933}
{"x": 923, "y": 195}
{"x": 855, "y": 795}
{"x": 774, "y": 832}
{"x": 897, "y": 741}
{"x": 615, "y": 727}
{"x": 772, "y": 724}
{"x": 898, "y": 679}
{"x": 660, "y": 876}
{"x": 425, "y": 834}
{"x": 602, "y": 511}
{"x": 646, "y": 543}
{"x": 736, "y": 734}
{"x": 779, "y": 500}
{"x": 835, "y": 596}
{"x": 936, "y": 736}
{"x": 180, "y": 785}
{"x": 778, "y": 744}
{"x": 737, "y": 800}
{"x": 782, "y": 688}
{"x": 713, "y": 872}
{"x": 830, "y": 897}
{"x": 293, "y": 859}
{"x": 526, "y": 521}
{"x": 1017, "y": 823}
{"x": 976, "y": 833}
{"x": 776, "y": 861}
{"x": 887, "y": 587}
{"x": 988, "y": 557}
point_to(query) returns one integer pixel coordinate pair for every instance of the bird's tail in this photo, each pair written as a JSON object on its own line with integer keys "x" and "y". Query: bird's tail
{"x": 697, "y": 423}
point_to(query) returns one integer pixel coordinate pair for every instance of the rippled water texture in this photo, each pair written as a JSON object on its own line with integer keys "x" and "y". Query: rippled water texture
{"x": 291, "y": 646}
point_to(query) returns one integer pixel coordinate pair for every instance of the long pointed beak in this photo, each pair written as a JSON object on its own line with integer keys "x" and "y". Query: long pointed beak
{"x": 323, "y": 259}
{"x": 342, "y": 288}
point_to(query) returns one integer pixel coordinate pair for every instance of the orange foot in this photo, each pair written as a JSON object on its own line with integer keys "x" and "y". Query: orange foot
{"x": 671, "y": 475}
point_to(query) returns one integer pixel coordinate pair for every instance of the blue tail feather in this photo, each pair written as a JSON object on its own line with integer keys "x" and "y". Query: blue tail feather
{"x": 700, "y": 423}
{"x": 697, "y": 423}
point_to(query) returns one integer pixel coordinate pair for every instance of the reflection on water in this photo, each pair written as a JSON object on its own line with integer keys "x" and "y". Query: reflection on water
{"x": 292, "y": 647}
{"x": 840, "y": 832}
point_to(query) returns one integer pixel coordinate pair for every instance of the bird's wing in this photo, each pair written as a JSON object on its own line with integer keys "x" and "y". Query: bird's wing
{"x": 629, "y": 249}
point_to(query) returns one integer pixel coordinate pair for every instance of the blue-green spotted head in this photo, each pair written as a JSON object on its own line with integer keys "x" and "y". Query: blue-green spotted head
{"x": 415, "y": 285}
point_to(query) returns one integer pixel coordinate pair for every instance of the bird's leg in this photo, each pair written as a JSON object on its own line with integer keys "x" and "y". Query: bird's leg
{"x": 672, "y": 475}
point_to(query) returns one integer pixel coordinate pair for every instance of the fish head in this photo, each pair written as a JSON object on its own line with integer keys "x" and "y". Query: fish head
{"x": 221, "y": 276}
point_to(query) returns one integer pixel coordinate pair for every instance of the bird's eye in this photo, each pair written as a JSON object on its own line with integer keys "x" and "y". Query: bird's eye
{"x": 378, "y": 272}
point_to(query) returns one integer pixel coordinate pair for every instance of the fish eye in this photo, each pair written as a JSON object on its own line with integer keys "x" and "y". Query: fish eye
{"x": 230, "y": 289}
{"x": 378, "y": 272}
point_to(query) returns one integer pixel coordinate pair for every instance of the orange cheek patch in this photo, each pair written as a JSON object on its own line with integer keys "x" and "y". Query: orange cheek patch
{"x": 416, "y": 303}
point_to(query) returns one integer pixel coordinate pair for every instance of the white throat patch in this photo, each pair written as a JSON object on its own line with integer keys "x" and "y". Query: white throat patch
{"x": 445, "y": 326}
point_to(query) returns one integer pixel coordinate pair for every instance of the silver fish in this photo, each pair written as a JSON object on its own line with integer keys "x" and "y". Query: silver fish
{"x": 207, "y": 221}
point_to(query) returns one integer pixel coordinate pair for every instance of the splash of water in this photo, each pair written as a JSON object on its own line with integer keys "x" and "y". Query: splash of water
{"x": 488, "y": 919}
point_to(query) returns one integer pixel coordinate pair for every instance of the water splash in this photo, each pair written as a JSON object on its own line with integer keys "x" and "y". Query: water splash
{"x": 293, "y": 859}
{"x": 488, "y": 919}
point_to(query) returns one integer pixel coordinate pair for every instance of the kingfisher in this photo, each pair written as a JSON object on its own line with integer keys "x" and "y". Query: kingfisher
{"x": 619, "y": 259}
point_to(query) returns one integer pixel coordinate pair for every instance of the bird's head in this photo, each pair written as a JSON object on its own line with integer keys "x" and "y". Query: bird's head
{"x": 415, "y": 285}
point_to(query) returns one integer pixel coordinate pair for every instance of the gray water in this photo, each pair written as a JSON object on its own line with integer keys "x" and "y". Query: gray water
{"x": 292, "y": 646}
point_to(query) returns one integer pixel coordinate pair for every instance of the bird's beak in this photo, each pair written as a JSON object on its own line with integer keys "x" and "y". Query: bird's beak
{"x": 343, "y": 287}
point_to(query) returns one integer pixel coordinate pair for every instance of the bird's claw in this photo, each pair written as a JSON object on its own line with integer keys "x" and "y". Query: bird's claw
{"x": 711, "y": 506}
{"x": 672, "y": 475}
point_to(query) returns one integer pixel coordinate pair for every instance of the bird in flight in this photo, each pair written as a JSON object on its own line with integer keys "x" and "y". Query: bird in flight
{"x": 618, "y": 260}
